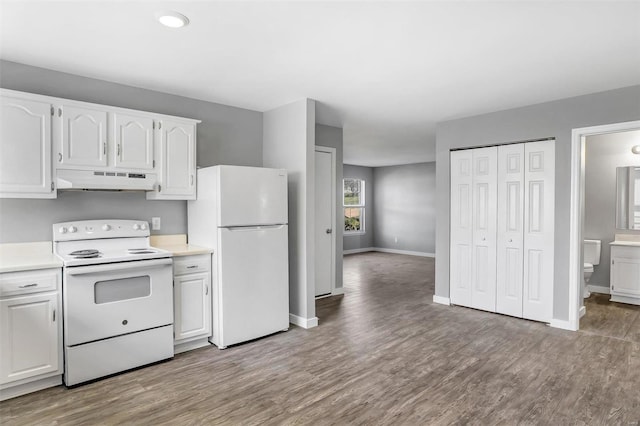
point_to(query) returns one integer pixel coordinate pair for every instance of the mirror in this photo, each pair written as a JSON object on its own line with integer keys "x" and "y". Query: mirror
{"x": 628, "y": 197}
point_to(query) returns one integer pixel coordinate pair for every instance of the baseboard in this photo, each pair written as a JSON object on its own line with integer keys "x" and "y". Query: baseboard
{"x": 337, "y": 291}
{"x": 303, "y": 322}
{"x": 599, "y": 289}
{"x": 388, "y": 250}
{"x": 583, "y": 311}
{"x": 564, "y": 325}
{"x": 359, "y": 250}
{"x": 441, "y": 300}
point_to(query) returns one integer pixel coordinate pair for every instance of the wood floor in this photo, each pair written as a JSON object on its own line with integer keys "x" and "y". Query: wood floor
{"x": 383, "y": 354}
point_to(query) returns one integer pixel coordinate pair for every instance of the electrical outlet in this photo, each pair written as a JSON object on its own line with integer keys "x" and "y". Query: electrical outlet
{"x": 396, "y": 240}
{"x": 155, "y": 223}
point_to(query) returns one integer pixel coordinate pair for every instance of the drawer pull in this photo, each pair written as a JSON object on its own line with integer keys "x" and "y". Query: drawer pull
{"x": 28, "y": 285}
{"x": 192, "y": 267}
{"x": 54, "y": 315}
{"x": 206, "y": 288}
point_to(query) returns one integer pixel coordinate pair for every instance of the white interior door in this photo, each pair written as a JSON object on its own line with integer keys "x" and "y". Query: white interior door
{"x": 253, "y": 270}
{"x": 510, "y": 233}
{"x": 252, "y": 196}
{"x": 483, "y": 277}
{"x": 461, "y": 227}
{"x": 539, "y": 213}
{"x": 324, "y": 222}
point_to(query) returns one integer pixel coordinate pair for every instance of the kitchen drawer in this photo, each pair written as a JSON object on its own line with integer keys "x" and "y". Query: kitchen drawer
{"x": 191, "y": 264}
{"x": 15, "y": 283}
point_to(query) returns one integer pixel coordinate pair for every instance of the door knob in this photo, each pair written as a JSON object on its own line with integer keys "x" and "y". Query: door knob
{"x": 328, "y": 231}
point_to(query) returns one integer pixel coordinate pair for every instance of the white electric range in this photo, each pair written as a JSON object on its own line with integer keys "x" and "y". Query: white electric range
{"x": 117, "y": 298}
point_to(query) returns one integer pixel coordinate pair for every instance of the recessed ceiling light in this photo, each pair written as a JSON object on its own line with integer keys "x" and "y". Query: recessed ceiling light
{"x": 172, "y": 19}
{"x": 636, "y": 149}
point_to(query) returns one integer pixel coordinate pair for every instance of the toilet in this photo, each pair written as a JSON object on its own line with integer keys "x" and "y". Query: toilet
{"x": 591, "y": 253}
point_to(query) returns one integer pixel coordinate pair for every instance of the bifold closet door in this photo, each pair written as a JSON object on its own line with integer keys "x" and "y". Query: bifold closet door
{"x": 539, "y": 209}
{"x": 510, "y": 252}
{"x": 484, "y": 190}
{"x": 461, "y": 236}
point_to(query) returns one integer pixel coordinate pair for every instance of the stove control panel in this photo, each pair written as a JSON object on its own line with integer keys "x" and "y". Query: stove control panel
{"x": 94, "y": 229}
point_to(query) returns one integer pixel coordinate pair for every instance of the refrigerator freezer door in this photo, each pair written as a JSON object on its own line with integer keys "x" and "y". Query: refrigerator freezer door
{"x": 252, "y": 196}
{"x": 254, "y": 282}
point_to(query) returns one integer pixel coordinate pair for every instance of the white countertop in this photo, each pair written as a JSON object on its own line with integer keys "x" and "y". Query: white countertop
{"x": 625, "y": 243}
{"x": 177, "y": 245}
{"x": 629, "y": 240}
{"x": 28, "y": 256}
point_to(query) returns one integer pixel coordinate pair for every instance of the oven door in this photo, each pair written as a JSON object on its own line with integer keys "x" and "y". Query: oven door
{"x": 108, "y": 300}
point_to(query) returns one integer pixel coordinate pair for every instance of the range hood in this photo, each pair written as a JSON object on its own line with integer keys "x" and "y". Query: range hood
{"x": 115, "y": 181}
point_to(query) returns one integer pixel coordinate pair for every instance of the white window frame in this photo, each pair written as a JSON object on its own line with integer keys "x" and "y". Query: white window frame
{"x": 362, "y": 206}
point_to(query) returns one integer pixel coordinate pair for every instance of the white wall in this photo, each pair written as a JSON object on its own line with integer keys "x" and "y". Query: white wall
{"x": 603, "y": 153}
{"x": 289, "y": 143}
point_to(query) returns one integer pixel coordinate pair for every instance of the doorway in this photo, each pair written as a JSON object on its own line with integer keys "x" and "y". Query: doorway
{"x": 577, "y": 220}
{"x": 325, "y": 220}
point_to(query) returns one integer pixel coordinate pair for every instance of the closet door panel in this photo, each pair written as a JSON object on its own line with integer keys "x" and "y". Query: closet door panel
{"x": 510, "y": 237}
{"x": 461, "y": 228}
{"x": 484, "y": 191}
{"x": 539, "y": 210}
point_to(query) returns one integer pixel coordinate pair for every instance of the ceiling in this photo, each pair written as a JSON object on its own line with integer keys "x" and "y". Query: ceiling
{"x": 386, "y": 72}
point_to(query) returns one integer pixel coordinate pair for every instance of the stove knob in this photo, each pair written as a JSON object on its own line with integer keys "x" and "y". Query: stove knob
{"x": 72, "y": 229}
{"x": 62, "y": 230}
{"x": 143, "y": 226}
{"x": 106, "y": 227}
{"x": 136, "y": 226}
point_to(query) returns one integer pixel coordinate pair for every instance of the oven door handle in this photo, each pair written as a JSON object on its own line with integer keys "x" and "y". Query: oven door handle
{"x": 110, "y": 267}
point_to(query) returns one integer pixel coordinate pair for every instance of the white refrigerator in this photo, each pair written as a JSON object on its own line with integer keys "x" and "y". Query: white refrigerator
{"x": 241, "y": 212}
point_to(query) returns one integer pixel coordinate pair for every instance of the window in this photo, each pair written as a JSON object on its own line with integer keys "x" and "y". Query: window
{"x": 353, "y": 203}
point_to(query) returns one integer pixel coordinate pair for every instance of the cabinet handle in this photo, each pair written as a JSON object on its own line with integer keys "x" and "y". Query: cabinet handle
{"x": 59, "y": 112}
{"x": 192, "y": 267}
{"x": 104, "y": 148}
{"x": 191, "y": 180}
{"x": 54, "y": 314}
{"x": 206, "y": 290}
{"x": 59, "y": 157}
{"x": 118, "y": 150}
{"x": 28, "y": 285}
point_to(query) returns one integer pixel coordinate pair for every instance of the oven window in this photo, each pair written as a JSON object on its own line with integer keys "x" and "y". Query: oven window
{"x": 122, "y": 289}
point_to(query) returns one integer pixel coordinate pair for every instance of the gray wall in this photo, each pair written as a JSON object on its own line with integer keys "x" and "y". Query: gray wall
{"x": 332, "y": 137}
{"x": 603, "y": 153}
{"x": 404, "y": 207}
{"x": 227, "y": 135}
{"x": 366, "y": 240}
{"x": 552, "y": 119}
{"x": 289, "y": 143}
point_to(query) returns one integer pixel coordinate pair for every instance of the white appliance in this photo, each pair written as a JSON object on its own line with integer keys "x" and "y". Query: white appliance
{"x": 241, "y": 212}
{"x": 99, "y": 179}
{"x": 117, "y": 296}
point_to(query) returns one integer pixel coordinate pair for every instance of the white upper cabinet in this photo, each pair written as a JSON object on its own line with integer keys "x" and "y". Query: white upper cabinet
{"x": 177, "y": 146}
{"x": 83, "y": 138}
{"x": 133, "y": 137}
{"x": 25, "y": 148}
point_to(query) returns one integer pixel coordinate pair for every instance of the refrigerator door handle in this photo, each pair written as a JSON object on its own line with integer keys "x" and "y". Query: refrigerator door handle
{"x": 254, "y": 228}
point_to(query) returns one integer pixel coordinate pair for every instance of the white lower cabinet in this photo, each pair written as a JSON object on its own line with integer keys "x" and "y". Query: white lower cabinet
{"x": 625, "y": 274}
{"x": 30, "y": 331}
{"x": 502, "y": 229}
{"x": 192, "y": 301}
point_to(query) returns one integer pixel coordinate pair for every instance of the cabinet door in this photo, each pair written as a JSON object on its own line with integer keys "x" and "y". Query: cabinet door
{"x": 83, "y": 138}
{"x": 510, "y": 234}
{"x": 133, "y": 136}
{"x": 625, "y": 275}
{"x": 29, "y": 336}
{"x": 25, "y": 149}
{"x": 539, "y": 211}
{"x": 483, "y": 276}
{"x": 461, "y": 228}
{"x": 192, "y": 305}
{"x": 178, "y": 159}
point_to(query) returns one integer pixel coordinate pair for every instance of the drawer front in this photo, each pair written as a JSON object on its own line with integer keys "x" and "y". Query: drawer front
{"x": 191, "y": 264}
{"x": 624, "y": 251}
{"x": 16, "y": 283}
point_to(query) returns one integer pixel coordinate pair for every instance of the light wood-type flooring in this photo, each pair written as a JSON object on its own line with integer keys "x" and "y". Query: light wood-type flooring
{"x": 383, "y": 354}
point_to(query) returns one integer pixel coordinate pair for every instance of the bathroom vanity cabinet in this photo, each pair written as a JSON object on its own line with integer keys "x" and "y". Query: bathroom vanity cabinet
{"x": 625, "y": 272}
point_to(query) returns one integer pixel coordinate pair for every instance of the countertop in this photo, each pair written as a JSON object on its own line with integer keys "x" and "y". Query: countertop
{"x": 177, "y": 245}
{"x": 28, "y": 256}
{"x": 629, "y": 240}
{"x": 625, "y": 243}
